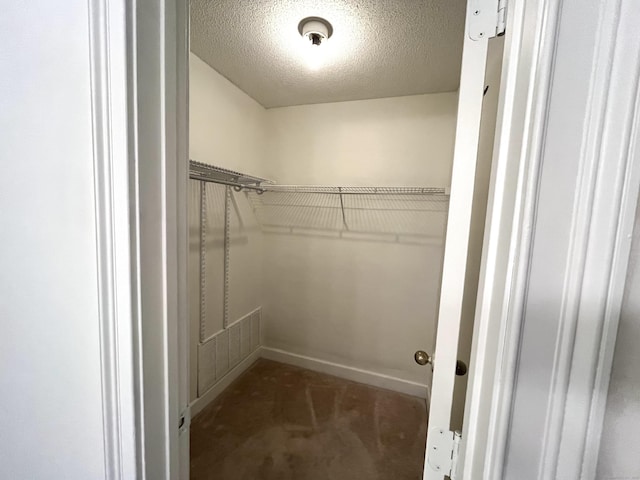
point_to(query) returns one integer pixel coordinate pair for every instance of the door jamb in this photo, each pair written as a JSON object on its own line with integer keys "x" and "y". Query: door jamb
{"x": 525, "y": 81}
{"x": 520, "y": 136}
{"x": 531, "y": 28}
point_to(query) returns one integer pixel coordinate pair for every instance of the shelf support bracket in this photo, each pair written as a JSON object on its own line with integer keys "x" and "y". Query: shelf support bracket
{"x": 227, "y": 255}
{"x": 344, "y": 217}
{"x": 203, "y": 261}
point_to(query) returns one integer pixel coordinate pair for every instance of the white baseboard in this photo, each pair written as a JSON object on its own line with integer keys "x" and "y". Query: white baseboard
{"x": 349, "y": 373}
{"x": 205, "y": 399}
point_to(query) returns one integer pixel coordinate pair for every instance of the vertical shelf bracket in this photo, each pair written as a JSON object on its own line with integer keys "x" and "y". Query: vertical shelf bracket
{"x": 227, "y": 245}
{"x": 203, "y": 264}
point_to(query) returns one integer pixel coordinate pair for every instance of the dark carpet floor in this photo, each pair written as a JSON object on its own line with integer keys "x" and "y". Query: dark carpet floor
{"x": 279, "y": 422}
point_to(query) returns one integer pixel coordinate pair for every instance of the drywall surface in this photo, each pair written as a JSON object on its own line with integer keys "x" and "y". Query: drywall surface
{"x": 478, "y": 217}
{"x": 390, "y": 141}
{"x": 621, "y": 433}
{"x": 226, "y": 126}
{"x": 227, "y": 129}
{"x": 364, "y": 302}
{"x": 361, "y": 302}
{"x": 51, "y": 402}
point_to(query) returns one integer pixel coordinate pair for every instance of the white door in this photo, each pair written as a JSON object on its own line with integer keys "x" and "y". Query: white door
{"x": 481, "y": 24}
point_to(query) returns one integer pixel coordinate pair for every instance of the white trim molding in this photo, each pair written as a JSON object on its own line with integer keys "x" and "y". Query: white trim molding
{"x": 317, "y": 365}
{"x": 524, "y": 86}
{"x": 108, "y": 46}
{"x": 565, "y": 301}
{"x": 564, "y": 190}
{"x": 349, "y": 373}
{"x": 612, "y": 149}
{"x": 182, "y": 213}
{"x": 157, "y": 96}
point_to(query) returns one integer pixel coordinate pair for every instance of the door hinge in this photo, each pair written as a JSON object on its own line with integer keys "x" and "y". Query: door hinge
{"x": 184, "y": 420}
{"x": 502, "y": 18}
{"x": 487, "y": 18}
{"x": 443, "y": 451}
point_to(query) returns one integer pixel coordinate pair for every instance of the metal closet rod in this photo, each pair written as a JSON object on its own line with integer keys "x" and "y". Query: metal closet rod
{"x": 236, "y": 186}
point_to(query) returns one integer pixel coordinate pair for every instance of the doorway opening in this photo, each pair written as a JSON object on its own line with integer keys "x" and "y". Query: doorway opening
{"x": 319, "y": 199}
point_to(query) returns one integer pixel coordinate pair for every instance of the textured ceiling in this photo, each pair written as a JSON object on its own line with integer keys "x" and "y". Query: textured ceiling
{"x": 379, "y": 48}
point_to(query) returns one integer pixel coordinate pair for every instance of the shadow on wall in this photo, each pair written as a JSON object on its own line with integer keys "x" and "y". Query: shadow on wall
{"x": 239, "y": 228}
{"x": 387, "y": 216}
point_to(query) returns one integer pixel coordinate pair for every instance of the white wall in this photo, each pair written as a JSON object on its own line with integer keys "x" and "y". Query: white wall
{"x": 621, "y": 431}
{"x": 361, "y": 303}
{"x": 50, "y": 379}
{"x": 365, "y": 304}
{"x": 226, "y": 126}
{"x": 227, "y": 129}
{"x": 389, "y": 141}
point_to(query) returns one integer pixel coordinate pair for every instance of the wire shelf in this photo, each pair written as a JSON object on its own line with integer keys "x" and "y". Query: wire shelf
{"x": 357, "y": 190}
{"x": 210, "y": 173}
{"x": 416, "y": 211}
{"x": 396, "y": 211}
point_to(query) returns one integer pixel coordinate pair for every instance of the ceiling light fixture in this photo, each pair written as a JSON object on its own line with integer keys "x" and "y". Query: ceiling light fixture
{"x": 315, "y": 30}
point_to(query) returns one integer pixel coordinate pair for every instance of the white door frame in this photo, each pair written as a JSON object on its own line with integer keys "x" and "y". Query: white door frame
{"x": 159, "y": 107}
{"x": 119, "y": 330}
{"x": 155, "y": 48}
{"x": 607, "y": 140}
{"x": 526, "y": 66}
{"x": 182, "y": 22}
{"x": 139, "y": 55}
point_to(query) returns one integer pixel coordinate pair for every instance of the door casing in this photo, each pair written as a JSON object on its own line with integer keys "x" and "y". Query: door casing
{"x": 529, "y": 50}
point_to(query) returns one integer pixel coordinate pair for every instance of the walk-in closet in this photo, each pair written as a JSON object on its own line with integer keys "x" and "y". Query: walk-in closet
{"x": 322, "y": 137}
